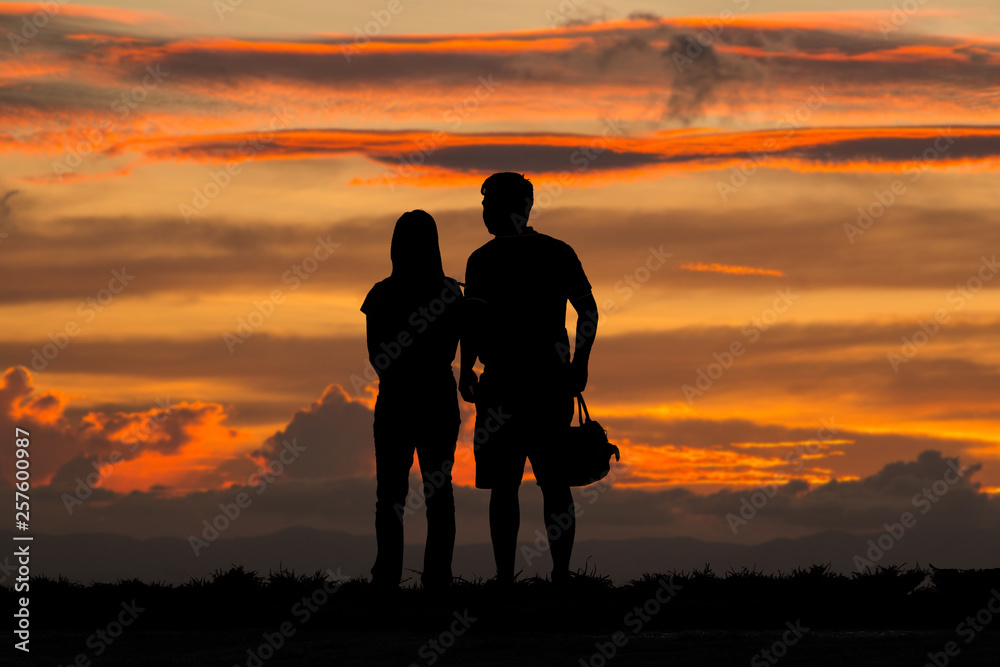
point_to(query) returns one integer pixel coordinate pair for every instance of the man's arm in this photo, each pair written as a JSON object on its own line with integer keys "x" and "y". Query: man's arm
{"x": 586, "y": 333}
{"x": 467, "y": 378}
{"x": 470, "y": 314}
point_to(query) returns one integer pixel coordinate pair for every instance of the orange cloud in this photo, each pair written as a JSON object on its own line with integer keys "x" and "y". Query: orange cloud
{"x": 187, "y": 439}
{"x": 727, "y": 268}
{"x": 654, "y": 467}
{"x": 441, "y": 156}
{"x": 561, "y": 39}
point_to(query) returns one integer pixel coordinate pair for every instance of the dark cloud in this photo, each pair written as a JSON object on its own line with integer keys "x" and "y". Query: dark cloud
{"x": 932, "y": 486}
{"x": 72, "y": 259}
{"x": 910, "y": 152}
{"x": 700, "y": 71}
{"x": 328, "y": 484}
{"x": 334, "y": 435}
{"x": 831, "y": 363}
{"x": 6, "y": 219}
{"x": 602, "y": 54}
{"x": 51, "y": 97}
{"x": 4, "y": 206}
{"x": 844, "y": 367}
{"x": 609, "y": 511}
{"x": 900, "y": 150}
{"x": 74, "y": 474}
{"x": 549, "y": 155}
{"x": 528, "y": 158}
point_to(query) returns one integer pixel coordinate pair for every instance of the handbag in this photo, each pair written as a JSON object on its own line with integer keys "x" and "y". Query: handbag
{"x": 587, "y": 450}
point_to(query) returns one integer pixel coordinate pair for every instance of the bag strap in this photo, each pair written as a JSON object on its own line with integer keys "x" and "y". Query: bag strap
{"x": 582, "y": 408}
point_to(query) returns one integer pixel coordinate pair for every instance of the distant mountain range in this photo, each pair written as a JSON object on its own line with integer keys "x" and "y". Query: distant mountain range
{"x": 108, "y": 557}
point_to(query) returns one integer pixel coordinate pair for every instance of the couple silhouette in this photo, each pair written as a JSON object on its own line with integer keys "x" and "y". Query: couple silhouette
{"x": 511, "y": 317}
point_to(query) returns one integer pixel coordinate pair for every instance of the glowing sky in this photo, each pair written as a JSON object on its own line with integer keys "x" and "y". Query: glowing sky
{"x": 788, "y": 214}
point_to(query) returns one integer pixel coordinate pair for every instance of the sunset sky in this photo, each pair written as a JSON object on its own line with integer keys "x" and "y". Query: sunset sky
{"x": 195, "y": 198}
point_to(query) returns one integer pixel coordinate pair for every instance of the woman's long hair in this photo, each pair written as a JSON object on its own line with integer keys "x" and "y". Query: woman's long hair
{"x": 415, "y": 253}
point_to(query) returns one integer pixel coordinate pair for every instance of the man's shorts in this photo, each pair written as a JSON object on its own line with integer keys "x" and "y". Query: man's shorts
{"x": 515, "y": 426}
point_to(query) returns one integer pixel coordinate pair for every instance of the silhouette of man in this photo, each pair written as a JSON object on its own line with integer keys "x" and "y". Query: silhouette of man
{"x": 517, "y": 286}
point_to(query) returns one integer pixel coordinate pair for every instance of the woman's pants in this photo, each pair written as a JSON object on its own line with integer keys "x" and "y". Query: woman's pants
{"x": 395, "y": 441}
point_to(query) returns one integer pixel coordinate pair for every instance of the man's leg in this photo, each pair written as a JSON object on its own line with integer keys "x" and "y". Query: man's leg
{"x": 557, "y": 499}
{"x": 560, "y": 526}
{"x": 499, "y": 467}
{"x": 393, "y": 460}
{"x": 437, "y": 458}
{"x": 505, "y": 521}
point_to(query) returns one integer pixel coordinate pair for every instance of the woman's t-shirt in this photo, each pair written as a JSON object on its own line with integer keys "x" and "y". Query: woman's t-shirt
{"x": 413, "y": 333}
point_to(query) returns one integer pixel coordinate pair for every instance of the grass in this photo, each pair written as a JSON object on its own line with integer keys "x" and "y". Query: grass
{"x": 887, "y": 616}
{"x": 886, "y": 597}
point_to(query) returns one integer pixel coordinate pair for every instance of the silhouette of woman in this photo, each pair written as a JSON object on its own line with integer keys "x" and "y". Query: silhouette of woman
{"x": 413, "y": 330}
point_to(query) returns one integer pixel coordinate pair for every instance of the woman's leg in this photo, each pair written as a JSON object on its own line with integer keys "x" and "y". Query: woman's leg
{"x": 505, "y": 521}
{"x": 437, "y": 458}
{"x": 393, "y": 459}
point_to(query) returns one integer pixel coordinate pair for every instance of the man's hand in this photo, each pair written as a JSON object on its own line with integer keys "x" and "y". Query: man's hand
{"x": 577, "y": 377}
{"x": 467, "y": 383}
